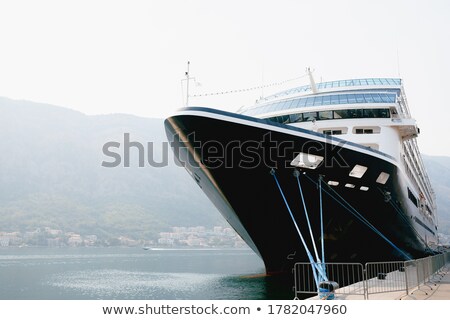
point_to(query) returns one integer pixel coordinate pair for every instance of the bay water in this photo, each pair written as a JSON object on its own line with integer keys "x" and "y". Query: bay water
{"x": 133, "y": 273}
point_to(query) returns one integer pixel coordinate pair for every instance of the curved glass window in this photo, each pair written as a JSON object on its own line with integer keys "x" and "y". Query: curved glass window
{"x": 341, "y": 83}
{"x": 343, "y": 99}
{"x": 332, "y": 115}
{"x": 334, "y": 99}
{"x": 295, "y": 104}
{"x": 350, "y": 98}
{"x": 309, "y": 102}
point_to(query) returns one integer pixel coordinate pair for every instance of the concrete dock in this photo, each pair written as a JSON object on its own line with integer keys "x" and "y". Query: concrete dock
{"x": 438, "y": 288}
{"x": 439, "y": 291}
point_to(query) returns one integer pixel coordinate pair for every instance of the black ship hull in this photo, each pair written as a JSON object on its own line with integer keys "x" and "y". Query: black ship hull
{"x": 235, "y": 160}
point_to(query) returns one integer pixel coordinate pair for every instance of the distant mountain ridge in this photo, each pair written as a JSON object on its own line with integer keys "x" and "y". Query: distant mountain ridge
{"x": 51, "y": 176}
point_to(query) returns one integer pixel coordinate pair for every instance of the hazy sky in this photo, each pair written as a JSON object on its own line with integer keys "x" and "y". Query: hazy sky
{"x": 129, "y": 56}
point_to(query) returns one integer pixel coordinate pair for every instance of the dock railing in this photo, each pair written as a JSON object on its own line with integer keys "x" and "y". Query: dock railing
{"x": 360, "y": 281}
{"x": 384, "y": 277}
{"x": 349, "y": 277}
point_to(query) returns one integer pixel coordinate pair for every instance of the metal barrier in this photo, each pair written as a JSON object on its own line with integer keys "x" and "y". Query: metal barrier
{"x": 412, "y": 275}
{"x": 376, "y": 277}
{"x": 385, "y": 277}
{"x": 349, "y": 276}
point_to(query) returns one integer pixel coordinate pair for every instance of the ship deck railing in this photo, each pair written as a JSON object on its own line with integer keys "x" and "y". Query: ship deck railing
{"x": 363, "y": 281}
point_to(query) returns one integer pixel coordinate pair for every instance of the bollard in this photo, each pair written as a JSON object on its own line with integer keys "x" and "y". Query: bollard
{"x": 381, "y": 276}
{"x": 327, "y": 289}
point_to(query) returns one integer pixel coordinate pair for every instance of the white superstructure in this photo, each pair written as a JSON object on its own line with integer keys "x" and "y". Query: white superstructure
{"x": 370, "y": 112}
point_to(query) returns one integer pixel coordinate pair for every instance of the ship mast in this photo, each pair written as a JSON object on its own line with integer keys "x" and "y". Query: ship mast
{"x": 187, "y": 83}
{"x": 311, "y": 80}
{"x": 187, "y": 79}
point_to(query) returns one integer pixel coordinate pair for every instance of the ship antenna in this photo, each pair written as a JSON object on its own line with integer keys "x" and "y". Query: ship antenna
{"x": 187, "y": 79}
{"x": 187, "y": 83}
{"x": 311, "y": 80}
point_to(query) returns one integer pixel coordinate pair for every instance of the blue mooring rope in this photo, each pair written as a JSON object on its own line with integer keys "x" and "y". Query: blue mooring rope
{"x": 308, "y": 253}
{"x": 360, "y": 217}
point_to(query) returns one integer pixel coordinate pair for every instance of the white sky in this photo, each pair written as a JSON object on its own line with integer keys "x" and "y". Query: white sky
{"x": 129, "y": 56}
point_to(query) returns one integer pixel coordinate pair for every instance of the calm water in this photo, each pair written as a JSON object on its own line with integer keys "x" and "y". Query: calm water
{"x": 133, "y": 273}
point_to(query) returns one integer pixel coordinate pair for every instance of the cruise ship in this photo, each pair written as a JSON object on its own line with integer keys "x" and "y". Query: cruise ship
{"x": 326, "y": 172}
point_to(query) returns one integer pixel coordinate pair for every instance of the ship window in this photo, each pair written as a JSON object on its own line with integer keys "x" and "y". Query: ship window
{"x": 296, "y": 117}
{"x": 385, "y": 98}
{"x": 331, "y": 114}
{"x": 334, "y": 99}
{"x": 309, "y": 116}
{"x": 302, "y": 103}
{"x": 413, "y": 198}
{"x": 306, "y": 160}
{"x": 377, "y": 98}
{"x": 366, "y": 130}
{"x": 326, "y": 100}
{"x": 348, "y": 113}
{"x": 278, "y": 106}
{"x": 351, "y": 98}
{"x": 383, "y": 178}
{"x": 283, "y": 119}
{"x": 325, "y": 115}
{"x": 383, "y": 113}
{"x": 355, "y": 113}
{"x": 339, "y": 114}
{"x": 423, "y": 225}
{"x": 332, "y": 132}
{"x": 333, "y": 183}
{"x": 364, "y": 188}
{"x": 369, "y": 98}
{"x": 343, "y": 99}
{"x": 369, "y": 113}
{"x": 358, "y": 171}
{"x": 309, "y": 101}
{"x": 289, "y": 104}
{"x": 363, "y": 131}
{"x": 349, "y": 185}
{"x": 360, "y": 98}
{"x": 295, "y": 103}
{"x": 376, "y": 113}
{"x": 318, "y": 101}
{"x": 283, "y": 105}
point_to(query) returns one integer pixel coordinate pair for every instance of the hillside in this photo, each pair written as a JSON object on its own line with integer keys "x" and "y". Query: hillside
{"x": 51, "y": 176}
{"x": 438, "y": 169}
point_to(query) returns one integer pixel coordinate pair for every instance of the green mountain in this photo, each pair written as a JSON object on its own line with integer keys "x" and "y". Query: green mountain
{"x": 51, "y": 175}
